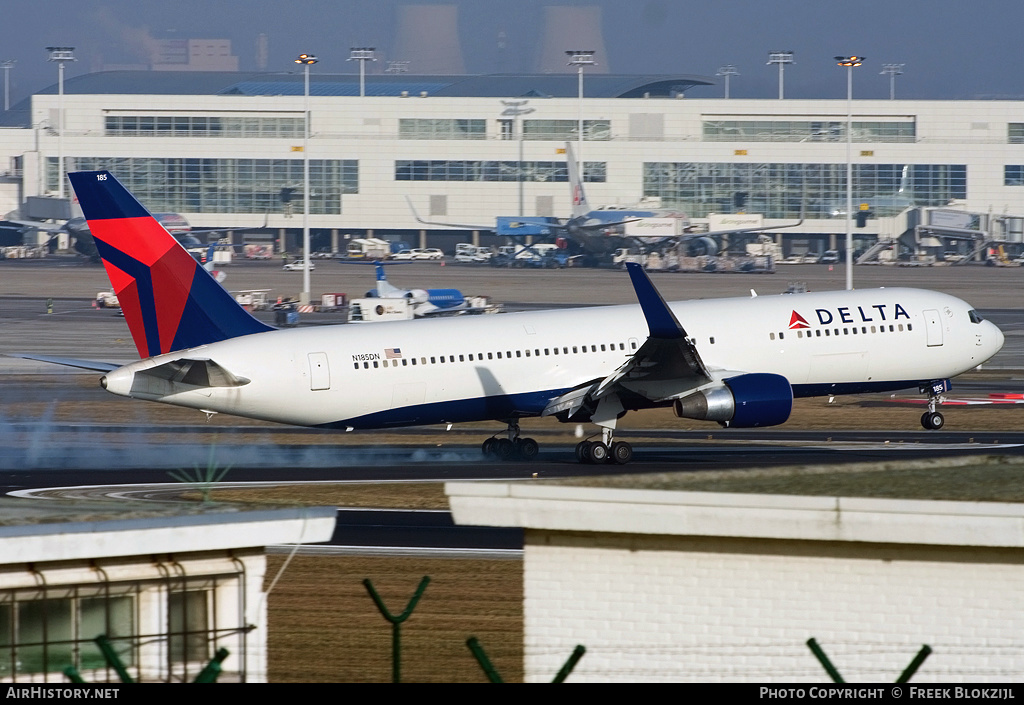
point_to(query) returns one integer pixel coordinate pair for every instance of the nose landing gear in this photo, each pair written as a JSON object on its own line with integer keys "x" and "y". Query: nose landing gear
{"x": 932, "y": 420}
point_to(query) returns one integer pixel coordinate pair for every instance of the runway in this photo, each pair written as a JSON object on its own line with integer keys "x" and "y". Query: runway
{"x": 108, "y": 440}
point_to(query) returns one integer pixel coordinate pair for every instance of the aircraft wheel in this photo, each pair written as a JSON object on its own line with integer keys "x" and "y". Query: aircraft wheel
{"x": 932, "y": 420}
{"x": 488, "y": 446}
{"x": 598, "y": 452}
{"x": 621, "y": 452}
{"x": 583, "y": 452}
{"x": 503, "y": 448}
{"x": 528, "y": 448}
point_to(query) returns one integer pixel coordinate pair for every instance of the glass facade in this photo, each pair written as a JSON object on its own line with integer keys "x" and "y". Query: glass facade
{"x": 442, "y": 129}
{"x": 807, "y": 131}
{"x": 566, "y": 130}
{"x": 448, "y": 170}
{"x": 201, "y": 126}
{"x": 801, "y": 190}
{"x": 223, "y": 185}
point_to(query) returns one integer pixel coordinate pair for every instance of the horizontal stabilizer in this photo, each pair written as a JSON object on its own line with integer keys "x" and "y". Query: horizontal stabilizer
{"x": 68, "y": 362}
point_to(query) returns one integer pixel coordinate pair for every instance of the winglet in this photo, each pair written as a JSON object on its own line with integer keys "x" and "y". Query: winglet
{"x": 660, "y": 319}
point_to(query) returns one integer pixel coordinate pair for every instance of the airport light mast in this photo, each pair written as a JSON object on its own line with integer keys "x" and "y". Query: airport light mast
{"x": 580, "y": 58}
{"x": 893, "y": 70}
{"x": 7, "y": 65}
{"x": 306, "y": 60}
{"x": 849, "y": 62}
{"x": 515, "y": 109}
{"x": 727, "y": 71}
{"x": 781, "y": 58}
{"x": 362, "y": 55}
{"x": 61, "y": 55}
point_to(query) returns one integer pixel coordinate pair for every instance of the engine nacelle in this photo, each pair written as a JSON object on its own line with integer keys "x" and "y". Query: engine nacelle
{"x": 702, "y": 246}
{"x": 417, "y": 296}
{"x": 744, "y": 401}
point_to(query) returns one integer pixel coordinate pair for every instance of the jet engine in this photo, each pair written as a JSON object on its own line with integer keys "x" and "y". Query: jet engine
{"x": 744, "y": 401}
{"x": 417, "y": 296}
{"x": 701, "y": 246}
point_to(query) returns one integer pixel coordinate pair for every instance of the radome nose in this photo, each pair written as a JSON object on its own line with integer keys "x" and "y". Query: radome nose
{"x": 997, "y": 339}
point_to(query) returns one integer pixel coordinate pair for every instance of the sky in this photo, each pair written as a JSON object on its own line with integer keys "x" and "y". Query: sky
{"x": 950, "y": 49}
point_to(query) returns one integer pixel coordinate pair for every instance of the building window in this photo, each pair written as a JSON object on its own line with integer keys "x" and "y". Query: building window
{"x": 1015, "y": 133}
{"x": 807, "y": 131}
{"x": 782, "y": 190}
{"x": 458, "y": 170}
{"x": 566, "y": 130}
{"x": 441, "y": 129}
{"x": 202, "y": 126}
{"x": 223, "y": 185}
{"x": 1013, "y": 175}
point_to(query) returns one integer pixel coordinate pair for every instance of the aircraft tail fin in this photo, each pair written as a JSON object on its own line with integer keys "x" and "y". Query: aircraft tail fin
{"x": 579, "y": 196}
{"x": 384, "y": 287}
{"x": 169, "y": 300}
{"x": 905, "y": 179}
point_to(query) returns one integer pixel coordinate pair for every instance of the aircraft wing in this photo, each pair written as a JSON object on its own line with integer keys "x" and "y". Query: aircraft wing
{"x": 667, "y": 366}
{"x": 461, "y": 226}
{"x": 44, "y": 227}
{"x": 68, "y": 362}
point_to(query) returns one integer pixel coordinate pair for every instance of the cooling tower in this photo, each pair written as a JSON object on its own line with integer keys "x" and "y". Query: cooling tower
{"x": 428, "y": 38}
{"x": 567, "y": 29}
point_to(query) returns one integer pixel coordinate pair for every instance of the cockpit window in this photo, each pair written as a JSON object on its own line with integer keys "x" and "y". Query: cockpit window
{"x": 975, "y": 316}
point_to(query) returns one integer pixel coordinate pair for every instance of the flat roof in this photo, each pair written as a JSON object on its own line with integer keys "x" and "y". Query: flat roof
{"x": 658, "y": 504}
{"x": 56, "y": 530}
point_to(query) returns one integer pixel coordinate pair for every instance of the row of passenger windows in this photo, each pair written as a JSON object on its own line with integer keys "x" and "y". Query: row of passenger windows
{"x": 827, "y": 332}
{"x": 499, "y": 355}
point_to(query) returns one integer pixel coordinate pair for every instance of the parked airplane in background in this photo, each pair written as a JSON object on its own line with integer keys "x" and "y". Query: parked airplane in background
{"x": 426, "y": 302}
{"x": 174, "y": 223}
{"x": 737, "y": 362}
{"x": 598, "y": 232}
{"x": 879, "y": 204}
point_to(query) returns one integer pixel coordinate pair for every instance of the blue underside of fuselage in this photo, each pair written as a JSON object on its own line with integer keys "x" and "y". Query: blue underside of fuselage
{"x": 511, "y": 406}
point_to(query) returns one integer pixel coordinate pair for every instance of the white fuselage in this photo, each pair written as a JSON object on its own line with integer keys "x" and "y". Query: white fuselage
{"x": 509, "y": 365}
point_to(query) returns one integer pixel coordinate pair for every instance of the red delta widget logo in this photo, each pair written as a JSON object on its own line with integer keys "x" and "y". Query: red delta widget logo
{"x": 847, "y": 314}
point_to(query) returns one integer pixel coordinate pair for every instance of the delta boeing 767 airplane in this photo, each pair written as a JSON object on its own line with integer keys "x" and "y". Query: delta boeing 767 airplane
{"x": 738, "y": 362}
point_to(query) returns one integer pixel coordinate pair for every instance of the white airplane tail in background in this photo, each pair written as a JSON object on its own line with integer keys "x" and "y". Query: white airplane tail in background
{"x": 580, "y": 207}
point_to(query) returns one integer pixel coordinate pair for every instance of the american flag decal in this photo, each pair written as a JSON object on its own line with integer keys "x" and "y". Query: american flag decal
{"x": 392, "y": 353}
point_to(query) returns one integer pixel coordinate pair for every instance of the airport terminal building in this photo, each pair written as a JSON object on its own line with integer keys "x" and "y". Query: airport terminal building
{"x": 227, "y": 149}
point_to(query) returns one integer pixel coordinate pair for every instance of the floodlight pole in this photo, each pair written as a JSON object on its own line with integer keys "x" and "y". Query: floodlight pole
{"x": 727, "y": 71}
{"x": 849, "y": 62}
{"x": 893, "y": 70}
{"x": 515, "y": 109}
{"x": 61, "y": 55}
{"x": 780, "y": 58}
{"x": 362, "y": 55}
{"x": 7, "y": 65}
{"x": 306, "y": 60}
{"x": 580, "y": 58}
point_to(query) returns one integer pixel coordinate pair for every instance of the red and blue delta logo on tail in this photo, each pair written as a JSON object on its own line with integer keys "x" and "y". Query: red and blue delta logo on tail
{"x": 169, "y": 301}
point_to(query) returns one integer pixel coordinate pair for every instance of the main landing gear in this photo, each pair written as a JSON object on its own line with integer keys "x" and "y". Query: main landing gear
{"x": 511, "y": 446}
{"x": 932, "y": 420}
{"x": 604, "y": 451}
{"x": 591, "y": 452}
